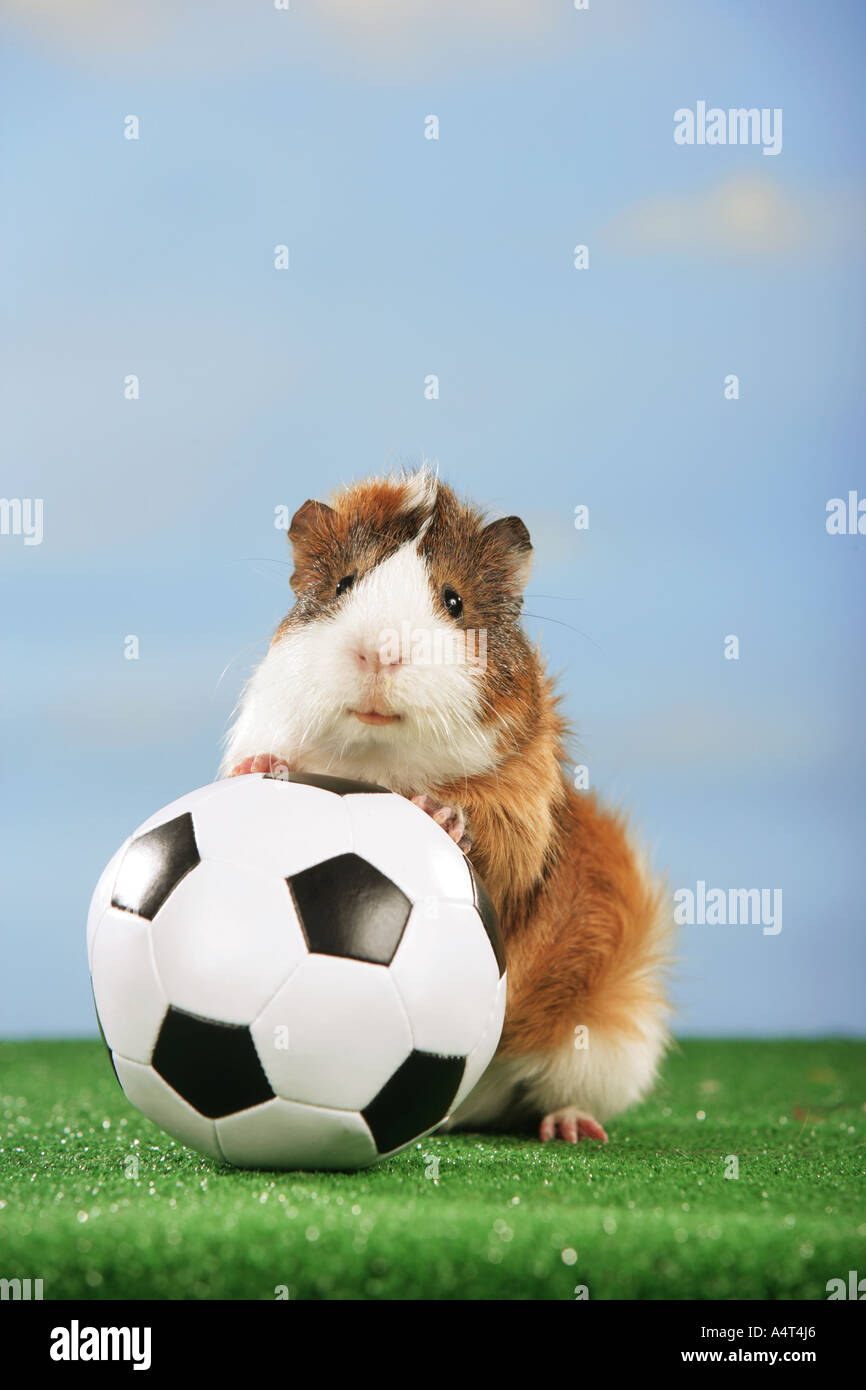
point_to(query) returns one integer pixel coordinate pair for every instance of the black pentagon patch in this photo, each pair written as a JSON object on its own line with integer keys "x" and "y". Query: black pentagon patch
{"x": 348, "y": 908}
{"x": 487, "y": 913}
{"x": 214, "y": 1066}
{"x": 417, "y": 1097}
{"x": 154, "y": 865}
{"x": 340, "y": 786}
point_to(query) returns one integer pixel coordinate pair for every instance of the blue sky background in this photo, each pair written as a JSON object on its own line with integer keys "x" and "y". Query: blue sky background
{"x": 558, "y": 387}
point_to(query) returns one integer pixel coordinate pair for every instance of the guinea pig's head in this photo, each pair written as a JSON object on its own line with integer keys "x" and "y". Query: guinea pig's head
{"x": 403, "y": 659}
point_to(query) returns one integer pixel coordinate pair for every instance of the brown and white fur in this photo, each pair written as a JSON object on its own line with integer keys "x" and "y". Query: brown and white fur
{"x": 480, "y": 745}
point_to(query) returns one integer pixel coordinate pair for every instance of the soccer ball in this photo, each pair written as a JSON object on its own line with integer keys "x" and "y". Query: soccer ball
{"x": 298, "y": 972}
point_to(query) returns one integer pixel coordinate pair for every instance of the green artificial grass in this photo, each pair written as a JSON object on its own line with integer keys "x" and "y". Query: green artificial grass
{"x": 99, "y": 1203}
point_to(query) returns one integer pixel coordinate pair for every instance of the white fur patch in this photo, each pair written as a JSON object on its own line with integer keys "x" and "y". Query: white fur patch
{"x": 297, "y": 705}
{"x": 419, "y": 490}
{"x": 613, "y": 1072}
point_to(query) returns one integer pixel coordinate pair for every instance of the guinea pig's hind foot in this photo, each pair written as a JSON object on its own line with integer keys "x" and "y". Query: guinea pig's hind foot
{"x": 451, "y": 819}
{"x": 262, "y": 762}
{"x": 570, "y": 1124}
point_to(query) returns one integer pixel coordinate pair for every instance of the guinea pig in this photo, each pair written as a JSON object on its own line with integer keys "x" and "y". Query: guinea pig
{"x": 404, "y": 662}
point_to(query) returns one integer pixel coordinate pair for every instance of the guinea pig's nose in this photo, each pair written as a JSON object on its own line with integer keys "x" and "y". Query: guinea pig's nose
{"x": 373, "y": 659}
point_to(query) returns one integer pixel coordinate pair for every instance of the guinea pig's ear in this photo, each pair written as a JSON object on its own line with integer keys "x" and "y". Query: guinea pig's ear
{"x": 511, "y": 539}
{"x": 308, "y": 534}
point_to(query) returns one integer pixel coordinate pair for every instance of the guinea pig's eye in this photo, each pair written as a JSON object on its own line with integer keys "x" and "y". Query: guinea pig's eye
{"x": 453, "y": 602}
{"x": 346, "y": 583}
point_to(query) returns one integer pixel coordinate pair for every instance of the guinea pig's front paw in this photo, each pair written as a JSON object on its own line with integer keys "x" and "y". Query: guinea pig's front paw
{"x": 451, "y": 818}
{"x": 570, "y": 1124}
{"x": 262, "y": 762}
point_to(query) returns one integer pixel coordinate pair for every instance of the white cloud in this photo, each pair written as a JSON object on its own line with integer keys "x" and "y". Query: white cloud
{"x": 746, "y": 215}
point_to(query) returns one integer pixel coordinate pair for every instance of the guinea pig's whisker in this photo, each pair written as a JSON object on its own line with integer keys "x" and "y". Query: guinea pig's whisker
{"x": 471, "y": 731}
{"x": 264, "y": 560}
{"x": 464, "y": 723}
{"x": 543, "y": 618}
{"x": 260, "y": 560}
{"x": 246, "y": 646}
{"x": 496, "y": 715}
